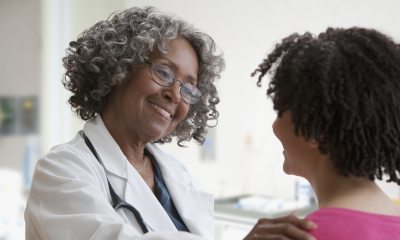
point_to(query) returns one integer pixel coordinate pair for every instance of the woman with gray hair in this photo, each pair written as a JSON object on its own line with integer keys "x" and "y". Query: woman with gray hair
{"x": 139, "y": 78}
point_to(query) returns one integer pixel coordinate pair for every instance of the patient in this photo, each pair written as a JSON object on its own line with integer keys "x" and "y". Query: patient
{"x": 337, "y": 97}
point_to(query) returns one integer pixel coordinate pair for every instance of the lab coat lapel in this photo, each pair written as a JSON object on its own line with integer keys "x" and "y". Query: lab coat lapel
{"x": 194, "y": 206}
{"x": 139, "y": 195}
{"x": 126, "y": 181}
{"x": 111, "y": 155}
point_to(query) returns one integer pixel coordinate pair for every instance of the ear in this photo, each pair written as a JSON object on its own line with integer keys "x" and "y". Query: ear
{"x": 313, "y": 143}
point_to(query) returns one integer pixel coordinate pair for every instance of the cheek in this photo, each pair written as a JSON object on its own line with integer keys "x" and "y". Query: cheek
{"x": 182, "y": 112}
{"x": 180, "y": 116}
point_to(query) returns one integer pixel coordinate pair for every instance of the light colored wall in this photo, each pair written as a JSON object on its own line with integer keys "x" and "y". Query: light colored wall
{"x": 19, "y": 66}
{"x": 249, "y": 157}
{"x": 20, "y": 47}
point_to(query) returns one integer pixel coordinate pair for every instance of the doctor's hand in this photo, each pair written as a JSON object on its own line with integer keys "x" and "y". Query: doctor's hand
{"x": 285, "y": 228}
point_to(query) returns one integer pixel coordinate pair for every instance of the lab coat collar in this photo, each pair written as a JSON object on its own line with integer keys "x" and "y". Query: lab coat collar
{"x": 129, "y": 185}
{"x": 111, "y": 155}
{"x": 195, "y": 206}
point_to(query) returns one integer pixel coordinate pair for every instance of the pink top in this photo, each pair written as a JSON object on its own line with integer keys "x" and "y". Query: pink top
{"x": 343, "y": 224}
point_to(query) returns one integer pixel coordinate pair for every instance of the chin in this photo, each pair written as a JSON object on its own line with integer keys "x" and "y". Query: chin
{"x": 286, "y": 168}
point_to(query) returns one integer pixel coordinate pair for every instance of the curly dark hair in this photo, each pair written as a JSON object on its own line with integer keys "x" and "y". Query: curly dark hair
{"x": 105, "y": 55}
{"x": 342, "y": 88}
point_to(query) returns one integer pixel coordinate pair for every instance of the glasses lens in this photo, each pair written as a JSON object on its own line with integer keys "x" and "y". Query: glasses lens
{"x": 190, "y": 93}
{"x": 163, "y": 75}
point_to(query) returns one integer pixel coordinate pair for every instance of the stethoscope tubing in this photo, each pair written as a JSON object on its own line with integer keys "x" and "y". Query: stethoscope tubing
{"x": 118, "y": 203}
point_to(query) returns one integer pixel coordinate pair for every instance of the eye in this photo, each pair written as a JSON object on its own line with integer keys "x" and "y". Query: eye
{"x": 191, "y": 90}
{"x": 164, "y": 73}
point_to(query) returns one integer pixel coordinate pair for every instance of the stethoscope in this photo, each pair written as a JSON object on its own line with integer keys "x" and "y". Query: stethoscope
{"x": 117, "y": 202}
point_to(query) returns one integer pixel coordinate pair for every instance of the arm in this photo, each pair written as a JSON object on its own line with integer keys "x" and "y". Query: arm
{"x": 285, "y": 228}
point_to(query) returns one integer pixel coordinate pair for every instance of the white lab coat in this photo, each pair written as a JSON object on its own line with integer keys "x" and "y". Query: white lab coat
{"x": 70, "y": 198}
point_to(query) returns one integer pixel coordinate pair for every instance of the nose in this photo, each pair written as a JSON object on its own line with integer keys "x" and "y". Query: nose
{"x": 274, "y": 127}
{"x": 173, "y": 93}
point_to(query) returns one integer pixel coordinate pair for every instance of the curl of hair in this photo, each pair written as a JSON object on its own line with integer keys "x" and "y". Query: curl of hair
{"x": 342, "y": 88}
{"x": 105, "y": 55}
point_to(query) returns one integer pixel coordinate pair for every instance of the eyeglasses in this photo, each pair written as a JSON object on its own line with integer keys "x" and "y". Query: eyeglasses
{"x": 164, "y": 76}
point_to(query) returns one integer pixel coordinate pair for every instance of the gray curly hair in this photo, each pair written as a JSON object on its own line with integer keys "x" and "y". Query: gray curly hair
{"x": 105, "y": 55}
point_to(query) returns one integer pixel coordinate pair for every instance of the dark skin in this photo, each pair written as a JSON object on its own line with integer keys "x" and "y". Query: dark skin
{"x": 283, "y": 228}
{"x": 136, "y": 115}
{"x": 141, "y": 110}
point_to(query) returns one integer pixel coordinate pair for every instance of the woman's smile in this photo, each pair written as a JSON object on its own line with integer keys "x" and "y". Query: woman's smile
{"x": 164, "y": 113}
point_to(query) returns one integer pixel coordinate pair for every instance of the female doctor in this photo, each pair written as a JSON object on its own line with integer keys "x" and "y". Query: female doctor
{"x": 138, "y": 78}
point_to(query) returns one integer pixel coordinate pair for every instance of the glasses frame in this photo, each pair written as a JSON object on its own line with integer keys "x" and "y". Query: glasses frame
{"x": 155, "y": 76}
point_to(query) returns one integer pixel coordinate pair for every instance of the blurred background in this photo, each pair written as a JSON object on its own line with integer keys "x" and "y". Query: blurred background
{"x": 241, "y": 162}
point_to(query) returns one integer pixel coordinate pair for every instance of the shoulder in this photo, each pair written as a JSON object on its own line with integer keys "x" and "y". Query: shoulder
{"x": 339, "y": 223}
{"x": 71, "y": 160}
{"x": 67, "y": 174}
{"x": 329, "y": 225}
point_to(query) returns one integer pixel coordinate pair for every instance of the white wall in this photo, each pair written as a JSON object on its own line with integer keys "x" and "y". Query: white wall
{"x": 245, "y": 31}
{"x": 20, "y": 48}
{"x": 19, "y": 66}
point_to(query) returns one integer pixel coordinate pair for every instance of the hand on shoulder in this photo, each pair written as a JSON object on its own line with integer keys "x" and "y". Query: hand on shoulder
{"x": 288, "y": 227}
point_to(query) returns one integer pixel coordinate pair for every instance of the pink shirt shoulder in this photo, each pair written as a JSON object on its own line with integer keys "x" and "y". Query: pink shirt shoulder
{"x": 346, "y": 224}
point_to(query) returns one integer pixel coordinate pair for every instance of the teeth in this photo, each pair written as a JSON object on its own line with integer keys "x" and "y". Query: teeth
{"x": 162, "y": 111}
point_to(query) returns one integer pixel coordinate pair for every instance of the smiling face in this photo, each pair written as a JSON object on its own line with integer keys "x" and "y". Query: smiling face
{"x": 301, "y": 155}
{"x": 145, "y": 110}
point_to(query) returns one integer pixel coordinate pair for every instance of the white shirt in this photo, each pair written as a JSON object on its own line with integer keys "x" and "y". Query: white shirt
{"x": 70, "y": 198}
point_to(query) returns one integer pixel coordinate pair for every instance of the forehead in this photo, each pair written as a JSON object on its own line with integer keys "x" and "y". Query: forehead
{"x": 180, "y": 56}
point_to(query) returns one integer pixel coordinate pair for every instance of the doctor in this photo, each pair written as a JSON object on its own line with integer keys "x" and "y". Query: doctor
{"x": 139, "y": 78}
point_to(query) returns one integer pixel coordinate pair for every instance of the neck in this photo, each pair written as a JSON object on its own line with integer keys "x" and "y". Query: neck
{"x": 357, "y": 193}
{"x": 132, "y": 148}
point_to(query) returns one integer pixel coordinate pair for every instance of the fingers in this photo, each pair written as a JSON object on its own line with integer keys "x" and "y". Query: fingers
{"x": 270, "y": 237}
{"x": 281, "y": 230}
{"x": 258, "y": 234}
{"x": 289, "y": 227}
{"x": 294, "y": 220}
